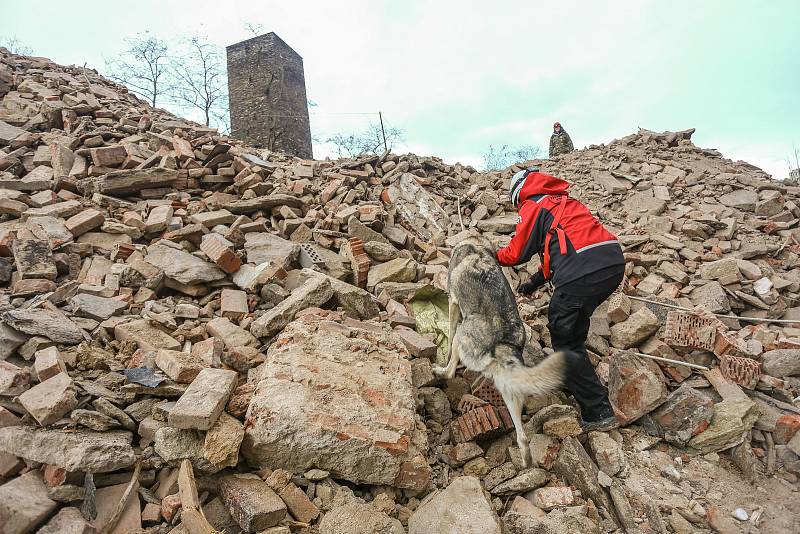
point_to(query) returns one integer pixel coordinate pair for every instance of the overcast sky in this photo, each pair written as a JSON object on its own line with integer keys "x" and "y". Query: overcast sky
{"x": 460, "y": 75}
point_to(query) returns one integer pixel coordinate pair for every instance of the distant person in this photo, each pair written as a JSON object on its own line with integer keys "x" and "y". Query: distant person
{"x": 560, "y": 142}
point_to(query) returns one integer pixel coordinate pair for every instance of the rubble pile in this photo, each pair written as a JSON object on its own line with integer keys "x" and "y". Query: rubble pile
{"x": 199, "y": 336}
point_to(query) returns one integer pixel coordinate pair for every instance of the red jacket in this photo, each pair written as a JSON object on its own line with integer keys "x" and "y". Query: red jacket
{"x": 577, "y": 246}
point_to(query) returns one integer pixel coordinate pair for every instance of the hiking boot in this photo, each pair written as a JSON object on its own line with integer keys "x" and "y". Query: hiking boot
{"x": 601, "y": 425}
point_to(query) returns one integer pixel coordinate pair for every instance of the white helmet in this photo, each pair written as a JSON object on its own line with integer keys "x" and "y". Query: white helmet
{"x": 516, "y": 185}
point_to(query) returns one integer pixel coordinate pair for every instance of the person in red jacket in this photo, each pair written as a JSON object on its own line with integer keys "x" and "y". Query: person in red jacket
{"x": 582, "y": 260}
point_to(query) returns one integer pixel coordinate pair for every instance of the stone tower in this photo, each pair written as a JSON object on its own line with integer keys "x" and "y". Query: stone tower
{"x": 267, "y": 93}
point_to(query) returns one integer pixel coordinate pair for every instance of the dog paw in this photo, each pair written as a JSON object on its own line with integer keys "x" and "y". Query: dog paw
{"x": 439, "y": 371}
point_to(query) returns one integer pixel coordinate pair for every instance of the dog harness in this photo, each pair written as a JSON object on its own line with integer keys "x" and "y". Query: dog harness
{"x": 558, "y": 212}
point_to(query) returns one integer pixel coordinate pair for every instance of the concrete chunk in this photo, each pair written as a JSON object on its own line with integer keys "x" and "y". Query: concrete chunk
{"x": 130, "y": 182}
{"x": 781, "y": 362}
{"x": 210, "y": 219}
{"x": 182, "y": 266}
{"x": 574, "y": 466}
{"x": 635, "y": 386}
{"x": 461, "y": 508}
{"x": 97, "y": 308}
{"x": 399, "y": 270}
{"x": 360, "y": 429}
{"x": 200, "y": 406}
{"x": 268, "y": 248}
{"x": 635, "y": 329}
{"x": 720, "y": 269}
{"x": 146, "y": 336}
{"x": 52, "y": 325}
{"x": 95, "y": 452}
{"x": 108, "y": 499}
{"x": 684, "y": 414}
{"x": 230, "y": 334}
{"x": 158, "y": 219}
{"x": 358, "y": 518}
{"x": 315, "y": 292}
{"x": 733, "y": 418}
{"x": 10, "y": 339}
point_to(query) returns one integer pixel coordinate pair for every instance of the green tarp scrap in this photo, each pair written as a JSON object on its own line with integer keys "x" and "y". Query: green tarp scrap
{"x": 430, "y": 306}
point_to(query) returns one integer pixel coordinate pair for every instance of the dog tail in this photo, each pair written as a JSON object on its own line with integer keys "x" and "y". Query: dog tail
{"x": 546, "y": 377}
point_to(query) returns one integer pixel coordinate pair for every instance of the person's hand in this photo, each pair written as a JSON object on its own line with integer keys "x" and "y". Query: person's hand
{"x": 531, "y": 285}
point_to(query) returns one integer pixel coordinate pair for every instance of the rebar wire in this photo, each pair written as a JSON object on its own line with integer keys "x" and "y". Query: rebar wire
{"x": 745, "y": 319}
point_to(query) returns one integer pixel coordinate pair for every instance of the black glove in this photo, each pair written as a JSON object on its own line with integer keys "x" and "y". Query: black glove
{"x": 536, "y": 281}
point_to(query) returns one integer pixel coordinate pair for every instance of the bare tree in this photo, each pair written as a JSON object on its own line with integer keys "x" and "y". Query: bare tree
{"x": 144, "y": 67}
{"x": 498, "y": 158}
{"x": 199, "y": 78}
{"x": 15, "y": 46}
{"x": 794, "y": 166}
{"x": 256, "y": 29}
{"x": 369, "y": 141}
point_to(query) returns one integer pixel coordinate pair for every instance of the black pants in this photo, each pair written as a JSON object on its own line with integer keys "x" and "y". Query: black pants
{"x": 569, "y": 316}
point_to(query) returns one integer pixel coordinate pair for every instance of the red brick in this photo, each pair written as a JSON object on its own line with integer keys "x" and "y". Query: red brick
{"x": 183, "y": 148}
{"x": 6, "y": 243}
{"x": 169, "y": 506}
{"x": 552, "y": 497}
{"x": 690, "y": 330}
{"x": 240, "y": 400}
{"x": 483, "y": 388}
{"x": 298, "y": 503}
{"x": 84, "y": 221}
{"x": 360, "y": 262}
{"x": 53, "y": 475}
{"x": 48, "y": 363}
{"x": 743, "y": 371}
{"x": 219, "y": 251}
{"x": 7, "y": 418}
{"x": 32, "y": 286}
{"x": 330, "y": 191}
{"x": 481, "y": 423}
{"x": 151, "y": 515}
{"x": 110, "y": 156}
{"x": 122, "y": 251}
{"x": 785, "y": 429}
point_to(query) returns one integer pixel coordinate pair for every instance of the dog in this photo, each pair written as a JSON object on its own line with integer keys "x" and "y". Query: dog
{"x": 487, "y": 333}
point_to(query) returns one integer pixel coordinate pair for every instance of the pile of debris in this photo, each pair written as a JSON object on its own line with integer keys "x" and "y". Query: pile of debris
{"x": 198, "y": 336}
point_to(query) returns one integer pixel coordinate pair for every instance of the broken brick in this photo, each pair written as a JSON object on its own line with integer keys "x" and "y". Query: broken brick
{"x": 204, "y": 399}
{"x": 84, "y": 221}
{"x": 418, "y": 345}
{"x": 48, "y": 364}
{"x": 179, "y": 366}
{"x": 785, "y": 429}
{"x": 50, "y": 400}
{"x": 220, "y": 251}
{"x": 251, "y": 502}
{"x": 233, "y": 304}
